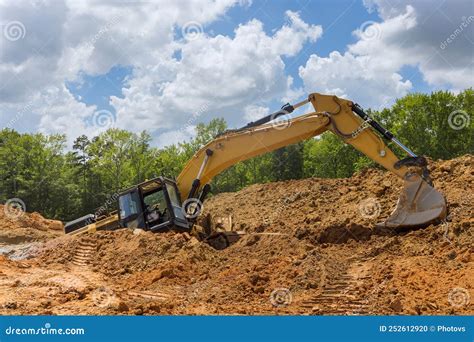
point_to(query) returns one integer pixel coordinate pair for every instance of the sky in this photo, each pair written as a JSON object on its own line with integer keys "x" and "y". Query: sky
{"x": 81, "y": 67}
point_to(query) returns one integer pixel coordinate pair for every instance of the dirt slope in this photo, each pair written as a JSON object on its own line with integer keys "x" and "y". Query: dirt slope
{"x": 22, "y": 233}
{"x": 18, "y": 227}
{"x": 310, "y": 248}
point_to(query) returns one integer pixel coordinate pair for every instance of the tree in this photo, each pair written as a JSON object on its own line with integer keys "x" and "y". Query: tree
{"x": 287, "y": 162}
{"x": 329, "y": 157}
{"x": 427, "y": 123}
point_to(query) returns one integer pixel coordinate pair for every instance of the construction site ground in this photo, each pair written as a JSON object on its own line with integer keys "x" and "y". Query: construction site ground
{"x": 311, "y": 247}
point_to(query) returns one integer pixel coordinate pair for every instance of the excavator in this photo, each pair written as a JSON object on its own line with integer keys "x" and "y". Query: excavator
{"x": 158, "y": 204}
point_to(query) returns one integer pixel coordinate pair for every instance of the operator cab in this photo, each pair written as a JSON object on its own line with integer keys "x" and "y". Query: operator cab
{"x": 152, "y": 205}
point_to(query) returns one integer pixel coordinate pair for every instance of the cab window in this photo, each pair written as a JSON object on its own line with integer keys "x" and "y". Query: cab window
{"x": 129, "y": 204}
{"x": 175, "y": 201}
{"x": 155, "y": 198}
{"x": 156, "y": 208}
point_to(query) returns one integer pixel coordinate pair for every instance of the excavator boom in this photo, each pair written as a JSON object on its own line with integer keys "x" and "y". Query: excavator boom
{"x": 419, "y": 203}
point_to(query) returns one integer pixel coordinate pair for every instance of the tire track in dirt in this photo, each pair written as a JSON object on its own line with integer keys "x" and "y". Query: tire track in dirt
{"x": 341, "y": 295}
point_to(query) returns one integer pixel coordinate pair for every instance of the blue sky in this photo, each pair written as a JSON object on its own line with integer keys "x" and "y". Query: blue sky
{"x": 97, "y": 90}
{"x": 80, "y": 68}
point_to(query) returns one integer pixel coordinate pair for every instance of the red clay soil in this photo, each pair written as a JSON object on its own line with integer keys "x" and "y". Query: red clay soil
{"x": 311, "y": 247}
{"x": 16, "y": 227}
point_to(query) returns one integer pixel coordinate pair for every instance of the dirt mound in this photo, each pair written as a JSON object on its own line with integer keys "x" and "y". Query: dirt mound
{"x": 19, "y": 227}
{"x": 334, "y": 210}
{"x": 125, "y": 251}
{"x": 175, "y": 273}
{"x": 310, "y": 247}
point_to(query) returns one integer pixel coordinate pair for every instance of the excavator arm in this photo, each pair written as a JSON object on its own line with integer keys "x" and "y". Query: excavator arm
{"x": 419, "y": 203}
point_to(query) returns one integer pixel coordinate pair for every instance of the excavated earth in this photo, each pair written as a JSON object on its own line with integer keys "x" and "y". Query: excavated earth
{"x": 310, "y": 247}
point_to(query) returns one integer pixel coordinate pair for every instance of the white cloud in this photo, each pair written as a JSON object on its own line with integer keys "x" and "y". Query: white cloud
{"x": 413, "y": 34}
{"x": 61, "y": 113}
{"x": 176, "y": 136}
{"x": 364, "y": 74}
{"x": 221, "y": 73}
{"x": 253, "y": 112}
{"x": 290, "y": 38}
{"x": 410, "y": 34}
{"x": 67, "y": 39}
{"x": 353, "y": 77}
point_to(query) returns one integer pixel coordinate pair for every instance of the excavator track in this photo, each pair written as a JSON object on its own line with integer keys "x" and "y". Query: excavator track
{"x": 342, "y": 295}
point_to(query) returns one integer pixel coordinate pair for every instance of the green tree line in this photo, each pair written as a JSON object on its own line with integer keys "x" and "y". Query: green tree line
{"x": 66, "y": 184}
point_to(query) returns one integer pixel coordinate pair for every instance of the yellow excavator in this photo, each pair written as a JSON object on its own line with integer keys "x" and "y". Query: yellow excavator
{"x": 158, "y": 204}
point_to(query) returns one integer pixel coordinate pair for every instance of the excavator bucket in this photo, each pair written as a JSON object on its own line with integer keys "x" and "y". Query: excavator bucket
{"x": 419, "y": 205}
